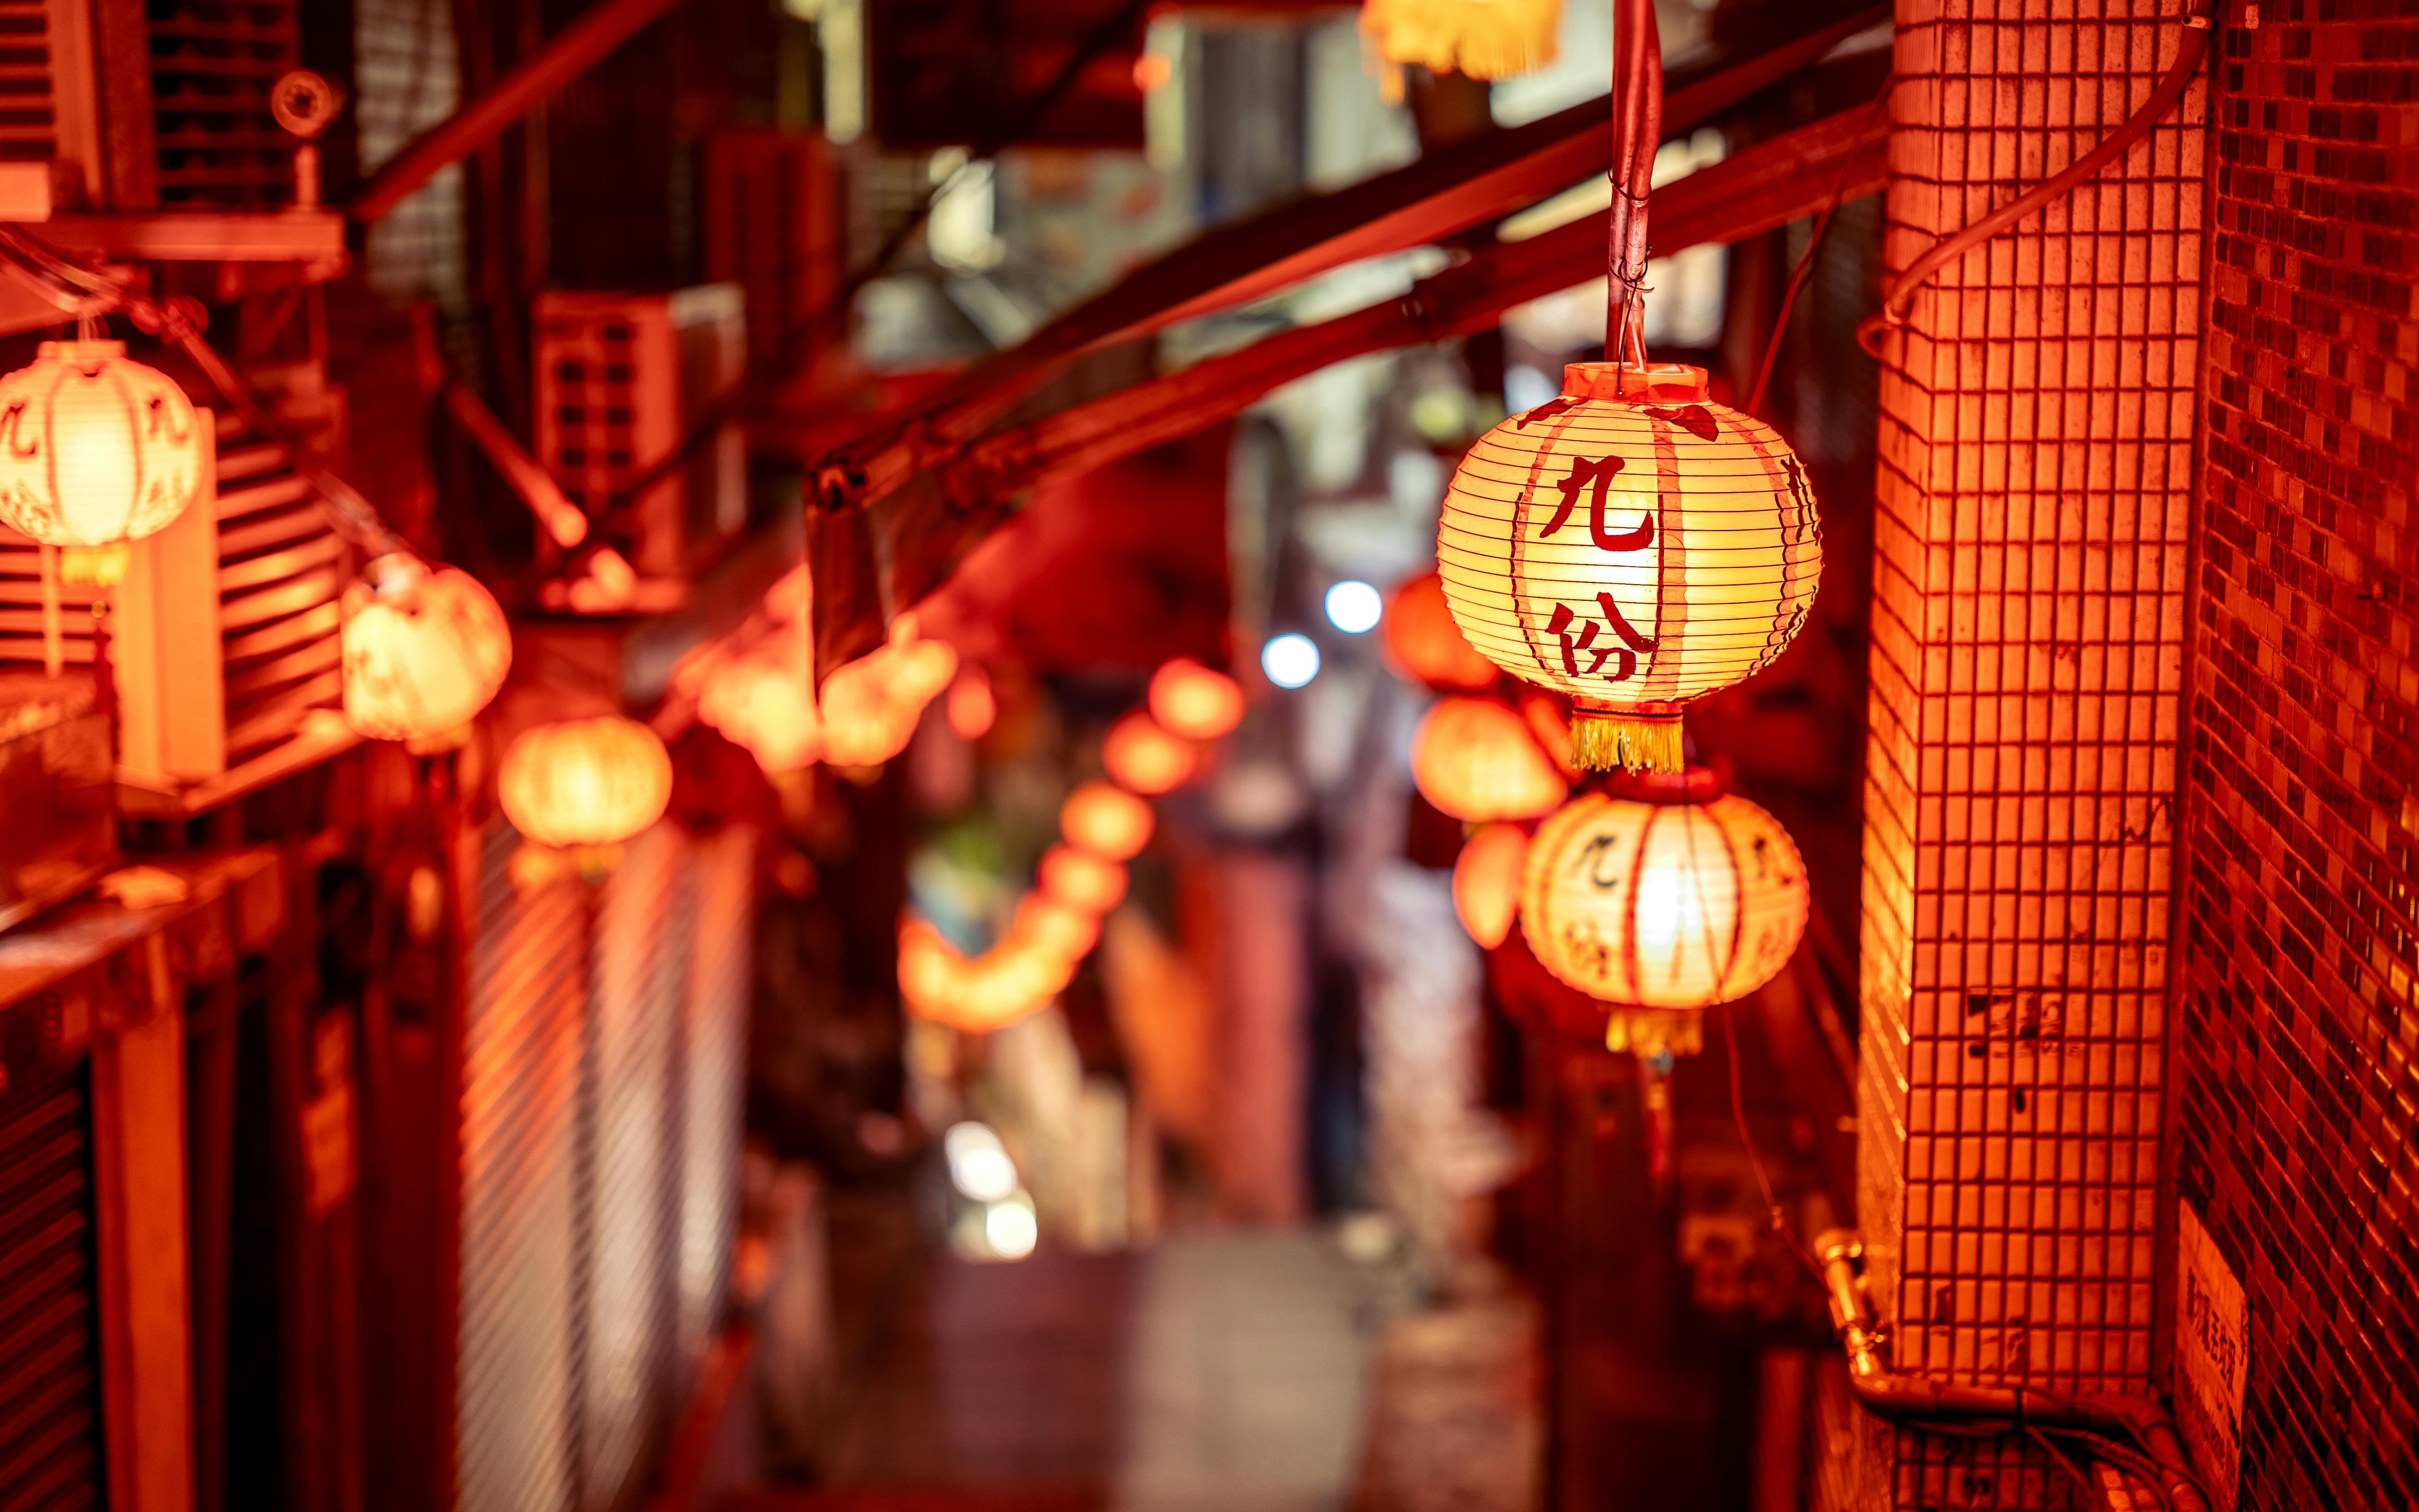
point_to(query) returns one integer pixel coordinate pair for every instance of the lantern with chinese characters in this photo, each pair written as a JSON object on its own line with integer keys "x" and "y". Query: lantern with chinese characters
{"x": 1486, "y": 883}
{"x": 1633, "y": 545}
{"x": 1081, "y": 880}
{"x": 1105, "y": 821}
{"x": 1144, "y": 757}
{"x": 1665, "y": 893}
{"x": 585, "y": 782}
{"x": 1476, "y": 760}
{"x": 1194, "y": 701}
{"x": 1422, "y": 643}
{"x": 95, "y": 448}
{"x": 425, "y": 650}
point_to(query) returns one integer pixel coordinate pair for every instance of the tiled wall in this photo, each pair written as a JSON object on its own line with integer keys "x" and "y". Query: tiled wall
{"x": 2028, "y": 629}
{"x": 2296, "y": 1031}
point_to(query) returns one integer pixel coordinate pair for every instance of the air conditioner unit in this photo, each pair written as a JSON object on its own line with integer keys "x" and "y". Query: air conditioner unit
{"x": 619, "y": 379}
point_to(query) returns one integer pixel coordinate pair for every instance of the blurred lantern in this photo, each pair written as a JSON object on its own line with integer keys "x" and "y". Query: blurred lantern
{"x": 1670, "y": 894}
{"x": 1480, "y": 39}
{"x": 1425, "y": 645}
{"x": 423, "y": 650}
{"x": 1105, "y": 821}
{"x": 1633, "y": 545}
{"x": 1475, "y": 759}
{"x": 1146, "y": 758}
{"x": 1047, "y": 924}
{"x": 1081, "y": 880}
{"x": 1014, "y": 980}
{"x": 1194, "y": 701}
{"x": 95, "y": 448}
{"x": 870, "y": 706}
{"x": 759, "y": 704}
{"x": 1550, "y": 719}
{"x": 585, "y": 782}
{"x": 931, "y": 970}
{"x": 1486, "y": 882}
{"x": 972, "y": 706}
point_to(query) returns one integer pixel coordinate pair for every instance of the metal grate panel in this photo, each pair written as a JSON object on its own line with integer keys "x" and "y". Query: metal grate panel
{"x": 49, "y": 1411}
{"x": 212, "y": 64}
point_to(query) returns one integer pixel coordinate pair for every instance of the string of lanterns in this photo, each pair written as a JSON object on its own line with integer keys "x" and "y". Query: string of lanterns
{"x": 1103, "y": 823}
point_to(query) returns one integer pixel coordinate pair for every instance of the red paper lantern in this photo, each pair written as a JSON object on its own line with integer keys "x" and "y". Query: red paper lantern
{"x": 1486, "y": 882}
{"x": 1425, "y": 645}
{"x": 423, "y": 650}
{"x": 1475, "y": 759}
{"x": 585, "y": 782}
{"x": 1106, "y": 820}
{"x": 1081, "y": 880}
{"x": 95, "y": 448}
{"x": 1194, "y": 701}
{"x": 1145, "y": 758}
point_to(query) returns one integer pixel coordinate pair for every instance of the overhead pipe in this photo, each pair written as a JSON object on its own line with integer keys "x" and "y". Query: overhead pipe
{"x": 1916, "y": 1401}
{"x": 1636, "y": 133}
{"x": 559, "y": 59}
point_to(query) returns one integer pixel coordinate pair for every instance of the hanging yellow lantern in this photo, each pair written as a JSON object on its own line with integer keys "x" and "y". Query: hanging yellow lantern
{"x": 1670, "y": 894}
{"x": 1194, "y": 701}
{"x": 1486, "y": 883}
{"x": 596, "y": 782}
{"x": 870, "y": 705}
{"x": 1145, "y": 758}
{"x": 1081, "y": 880}
{"x": 763, "y": 706}
{"x": 425, "y": 650}
{"x": 95, "y": 448}
{"x": 1633, "y": 545}
{"x": 1481, "y": 38}
{"x": 1475, "y": 759}
{"x": 1106, "y": 820}
{"x": 1047, "y": 924}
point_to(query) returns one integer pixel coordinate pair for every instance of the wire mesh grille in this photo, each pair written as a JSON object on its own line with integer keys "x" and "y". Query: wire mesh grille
{"x": 50, "y": 1417}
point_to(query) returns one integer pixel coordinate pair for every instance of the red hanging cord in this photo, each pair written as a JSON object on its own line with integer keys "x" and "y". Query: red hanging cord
{"x": 1637, "y": 132}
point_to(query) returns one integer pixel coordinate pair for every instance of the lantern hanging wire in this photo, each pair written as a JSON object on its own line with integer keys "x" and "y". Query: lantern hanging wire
{"x": 1637, "y": 131}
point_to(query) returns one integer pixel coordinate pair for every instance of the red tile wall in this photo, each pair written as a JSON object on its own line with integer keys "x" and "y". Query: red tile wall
{"x": 2295, "y": 1026}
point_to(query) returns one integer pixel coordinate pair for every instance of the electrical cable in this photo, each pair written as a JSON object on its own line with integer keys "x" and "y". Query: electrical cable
{"x": 1755, "y": 1157}
{"x": 2164, "y": 96}
{"x": 1806, "y": 263}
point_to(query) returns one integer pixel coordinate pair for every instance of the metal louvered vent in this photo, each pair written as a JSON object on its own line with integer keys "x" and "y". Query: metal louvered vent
{"x": 714, "y": 1065}
{"x": 281, "y": 570}
{"x": 518, "y": 1352}
{"x": 212, "y": 64}
{"x": 28, "y": 126}
{"x": 49, "y": 1410}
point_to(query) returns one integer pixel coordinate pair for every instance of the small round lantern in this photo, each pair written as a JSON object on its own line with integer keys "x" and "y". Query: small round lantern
{"x": 971, "y": 705}
{"x": 1425, "y": 645}
{"x": 95, "y": 448}
{"x": 1105, "y": 821}
{"x": 1475, "y": 759}
{"x": 1486, "y": 883}
{"x": 1193, "y": 701}
{"x": 1145, "y": 758}
{"x": 425, "y": 650}
{"x": 596, "y": 782}
{"x": 1667, "y": 893}
{"x": 1081, "y": 880}
{"x": 762, "y": 705}
{"x": 1631, "y": 544}
{"x": 1047, "y": 924}
{"x": 870, "y": 705}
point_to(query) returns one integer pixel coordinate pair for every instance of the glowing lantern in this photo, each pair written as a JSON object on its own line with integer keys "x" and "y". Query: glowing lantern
{"x": 585, "y": 782}
{"x": 1486, "y": 882}
{"x": 1677, "y": 896}
{"x": 1146, "y": 758}
{"x": 1194, "y": 701}
{"x": 1425, "y": 644}
{"x": 870, "y": 706}
{"x": 1081, "y": 880}
{"x": 1047, "y": 924}
{"x": 423, "y": 650}
{"x": 1105, "y": 821}
{"x": 1475, "y": 759}
{"x": 1012, "y": 981}
{"x": 972, "y": 706}
{"x": 931, "y": 970}
{"x": 1631, "y": 544}
{"x": 94, "y": 449}
{"x": 759, "y": 703}
{"x": 1481, "y": 38}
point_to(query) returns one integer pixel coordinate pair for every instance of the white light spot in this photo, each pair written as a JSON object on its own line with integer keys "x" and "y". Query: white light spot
{"x": 1010, "y": 1229}
{"x": 1290, "y": 661}
{"x": 1353, "y": 607}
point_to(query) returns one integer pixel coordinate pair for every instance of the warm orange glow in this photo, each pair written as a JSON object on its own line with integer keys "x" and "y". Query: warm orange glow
{"x": 94, "y": 449}
{"x": 1663, "y": 904}
{"x": 1146, "y": 758}
{"x": 1550, "y": 722}
{"x": 1633, "y": 545}
{"x": 1425, "y": 645}
{"x": 870, "y": 706}
{"x": 1081, "y": 880}
{"x": 971, "y": 706}
{"x": 1012, "y": 981}
{"x": 1105, "y": 821}
{"x": 1047, "y": 924}
{"x": 423, "y": 650}
{"x": 585, "y": 782}
{"x": 1486, "y": 882}
{"x": 1478, "y": 38}
{"x": 1475, "y": 759}
{"x": 761, "y": 704}
{"x": 1194, "y": 701}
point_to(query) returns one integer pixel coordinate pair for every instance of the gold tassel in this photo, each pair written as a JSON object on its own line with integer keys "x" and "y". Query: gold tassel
{"x": 1654, "y": 1031}
{"x": 1479, "y": 39}
{"x": 1606, "y": 742}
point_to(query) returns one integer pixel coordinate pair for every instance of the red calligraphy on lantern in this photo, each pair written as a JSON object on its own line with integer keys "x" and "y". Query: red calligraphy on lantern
{"x": 1596, "y": 474}
{"x": 1624, "y": 643}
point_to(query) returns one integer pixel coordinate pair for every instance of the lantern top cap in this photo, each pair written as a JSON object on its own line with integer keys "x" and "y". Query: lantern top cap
{"x": 81, "y": 351}
{"x": 1682, "y": 789}
{"x": 1669, "y": 382}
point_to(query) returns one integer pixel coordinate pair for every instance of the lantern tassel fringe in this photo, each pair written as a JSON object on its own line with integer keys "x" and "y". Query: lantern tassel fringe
{"x": 1626, "y": 743}
{"x": 1480, "y": 39}
{"x": 1655, "y": 1031}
